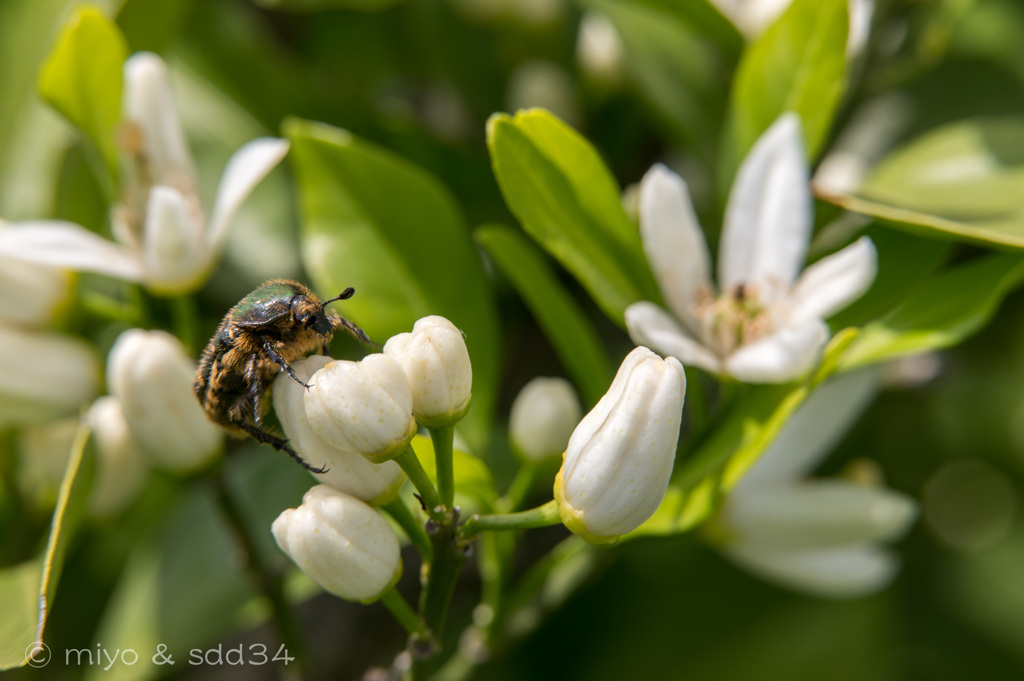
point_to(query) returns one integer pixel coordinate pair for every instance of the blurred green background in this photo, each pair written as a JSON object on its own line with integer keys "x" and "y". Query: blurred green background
{"x": 421, "y": 77}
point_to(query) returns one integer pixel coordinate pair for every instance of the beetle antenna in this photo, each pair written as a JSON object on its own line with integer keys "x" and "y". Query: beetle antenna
{"x": 344, "y": 295}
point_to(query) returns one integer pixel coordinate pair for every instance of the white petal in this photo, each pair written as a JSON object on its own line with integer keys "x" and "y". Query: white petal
{"x": 650, "y": 326}
{"x": 783, "y": 356}
{"x": 767, "y": 223}
{"x": 846, "y": 572}
{"x": 814, "y": 429}
{"x": 31, "y": 293}
{"x": 65, "y": 244}
{"x": 174, "y": 252}
{"x": 673, "y": 241}
{"x": 834, "y": 282}
{"x": 149, "y": 103}
{"x": 818, "y": 514}
{"x": 244, "y": 171}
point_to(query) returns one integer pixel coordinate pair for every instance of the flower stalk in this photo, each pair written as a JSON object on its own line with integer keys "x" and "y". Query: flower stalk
{"x": 421, "y": 481}
{"x": 541, "y": 516}
{"x": 404, "y": 613}
{"x": 400, "y": 513}
{"x": 443, "y": 437}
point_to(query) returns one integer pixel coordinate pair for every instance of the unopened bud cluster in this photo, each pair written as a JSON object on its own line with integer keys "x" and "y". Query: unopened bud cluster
{"x": 354, "y": 419}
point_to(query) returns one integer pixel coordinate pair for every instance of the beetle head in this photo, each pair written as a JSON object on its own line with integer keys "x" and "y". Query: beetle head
{"x": 322, "y": 322}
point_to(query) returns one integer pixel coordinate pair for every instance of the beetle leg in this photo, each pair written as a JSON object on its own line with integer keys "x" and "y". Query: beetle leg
{"x": 279, "y": 444}
{"x": 273, "y": 354}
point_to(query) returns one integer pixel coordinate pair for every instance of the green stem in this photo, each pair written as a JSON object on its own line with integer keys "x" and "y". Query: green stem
{"x": 421, "y": 481}
{"x": 446, "y": 560}
{"x": 185, "y": 320}
{"x": 398, "y": 510}
{"x": 541, "y": 516}
{"x": 442, "y": 438}
{"x": 404, "y": 613}
{"x": 520, "y": 488}
{"x": 268, "y": 582}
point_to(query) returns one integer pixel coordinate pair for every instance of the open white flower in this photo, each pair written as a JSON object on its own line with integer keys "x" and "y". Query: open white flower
{"x": 764, "y": 323}
{"x": 164, "y": 240}
{"x": 824, "y": 537}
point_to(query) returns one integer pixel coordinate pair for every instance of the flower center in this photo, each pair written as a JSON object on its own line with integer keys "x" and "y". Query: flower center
{"x": 733, "y": 319}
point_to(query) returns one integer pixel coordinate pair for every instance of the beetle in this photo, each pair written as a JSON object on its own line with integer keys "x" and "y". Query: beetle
{"x": 277, "y": 323}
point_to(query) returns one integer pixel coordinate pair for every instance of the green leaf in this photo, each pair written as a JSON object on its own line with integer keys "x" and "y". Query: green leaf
{"x": 27, "y": 590}
{"x": 562, "y": 193}
{"x": 798, "y": 65}
{"x": 945, "y": 309}
{"x": 963, "y": 181}
{"x": 903, "y": 261}
{"x": 737, "y": 442}
{"x": 376, "y": 222}
{"x": 565, "y": 324}
{"x": 673, "y": 67}
{"x": 82, "y": 78}
{"x": 473, "y": 480}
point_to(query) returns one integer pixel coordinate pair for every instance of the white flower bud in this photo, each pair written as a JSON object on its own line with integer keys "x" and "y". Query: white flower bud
{"x": 619, "y": 459}
{"x": 341, "y": 544}
{"x": 363, "y": 406}
{"x": 121, "y": 468}
{"x": 544, "y": 414}
{"x": 347, "y": 470}
{"x": 151, "y": 375}
{"x": 44, "y": 375}
{"x": 436, "y": 361}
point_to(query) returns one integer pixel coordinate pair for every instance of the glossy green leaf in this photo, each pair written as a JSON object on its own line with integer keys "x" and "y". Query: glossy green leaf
{"x": 963, "y": 181}
{"x": 903, "y": 261}
{"x": 473, "y": 481}
{"x": 562, "y": 193}
{"x": 27, "y": 590}
{"x": 559, "y": 315}
{"x": 738, "y": 440}
{"x": 945, "y": 309}
{"x": 82, "y": 78}
{"x": 673, "y": 67}
{"x": 376, "y": 222}
{"x": 798, "y": 65}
